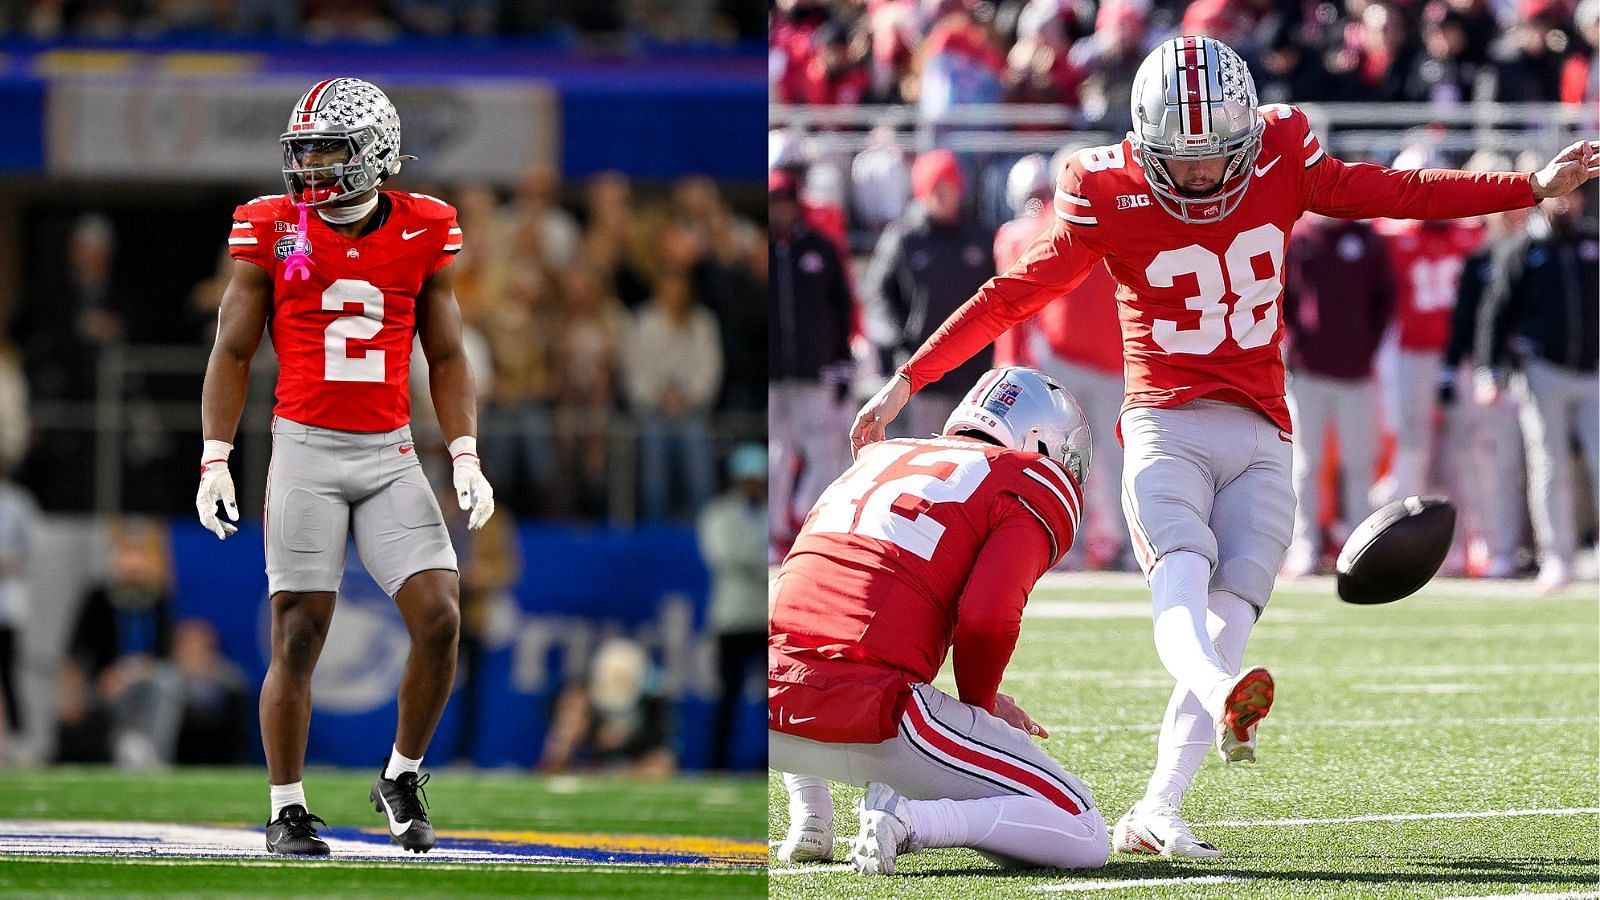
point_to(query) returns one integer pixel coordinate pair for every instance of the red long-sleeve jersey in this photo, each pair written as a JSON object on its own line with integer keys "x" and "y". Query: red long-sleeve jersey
{"x": 1199, "y": 303}
{"x": 920, "y": 548}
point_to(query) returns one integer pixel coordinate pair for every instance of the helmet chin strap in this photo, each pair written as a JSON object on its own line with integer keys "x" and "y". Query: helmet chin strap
{"x": 344, "y": 215}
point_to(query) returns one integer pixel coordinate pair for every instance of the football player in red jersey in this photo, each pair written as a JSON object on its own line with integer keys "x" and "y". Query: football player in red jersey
{"x": 344, "y": 275}
{"x": 922, "y": 549}
{"x": 1191, "y": 214}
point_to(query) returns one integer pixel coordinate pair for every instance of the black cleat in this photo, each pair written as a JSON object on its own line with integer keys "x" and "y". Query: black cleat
{"x": 407, "y": 813}
{"x": 292, "y": 833}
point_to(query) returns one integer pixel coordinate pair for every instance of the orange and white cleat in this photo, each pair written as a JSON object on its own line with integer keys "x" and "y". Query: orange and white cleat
{"x": 1248, "y": 702}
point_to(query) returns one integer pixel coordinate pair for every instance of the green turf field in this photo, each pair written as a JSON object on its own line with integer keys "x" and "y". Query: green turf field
{"x": 1471, "y": 697}
{"x": 574, "y": 812}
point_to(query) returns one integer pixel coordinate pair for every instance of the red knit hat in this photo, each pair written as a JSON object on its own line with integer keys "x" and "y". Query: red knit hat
{"x": 931, "y": 168}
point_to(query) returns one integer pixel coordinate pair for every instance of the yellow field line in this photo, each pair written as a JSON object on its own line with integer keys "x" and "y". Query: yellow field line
{"x": 643, "y": 843}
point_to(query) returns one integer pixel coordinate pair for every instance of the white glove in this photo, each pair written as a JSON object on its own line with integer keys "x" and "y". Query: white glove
{"x": 216, "y": 484}
{"x": 472, "y": 489}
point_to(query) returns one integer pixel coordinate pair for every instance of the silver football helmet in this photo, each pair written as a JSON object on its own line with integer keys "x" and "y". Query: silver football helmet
{"x": 1025, "y": 409}
{"x": 343, "y": 119}
{"x": 1029, "y": 179}
{"x": 1194, "y": 99}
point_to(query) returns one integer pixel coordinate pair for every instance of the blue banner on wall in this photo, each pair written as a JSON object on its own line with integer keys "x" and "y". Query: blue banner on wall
{"x": 578, "y": 587}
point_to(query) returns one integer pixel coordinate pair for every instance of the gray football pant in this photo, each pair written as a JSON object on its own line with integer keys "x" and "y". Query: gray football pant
{"x": 326, "y": 486}
{"x": 1349, "y": 406}
{"x": 804, "y": 423}
{"x": 1556, "y": 401}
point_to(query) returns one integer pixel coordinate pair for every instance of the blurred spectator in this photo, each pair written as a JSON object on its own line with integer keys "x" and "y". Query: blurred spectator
{"x": 733, "y": 541}
{"x": 545, "y": 229}
{"x": 1442, "y": 73}
{"x": 518, "y": 424}
{"x": 19, "y": 523}
{"x": 809, "y": 356}
{"x": 1109, "y": 58}
{"x": 121, "y": 697}
{"x": 959, "y": 64}
{"x": 1538, "y": 315}
{"x": 1038, "y": 69}
{"x": 927, "y": 263}
{"x": 673, "y": 370}
{"x": 82, "y": 311}
{"x": 1490, "y": 484}
{"x": 836, "y": 73}
{"x": 587, "y": 358}
{"x": 358, "y": 20}
{"x": 219, "y": 704}
{"x": 1078, "y": 341}
{"x": 1291, "y": 72}
{"x": 16, "y": 425}
{"x": 1427, "y": 257}
{"x": 744, "y": 325}
{"x": 1527, "y": 61}
{"x": 617, "y": 720}
{"x": 608, "y": 238}
{"x": 1580, "y": 76}
{"x": 880, "y": 180}
{"x": 443, "y": 17}
{"x": 1376, "y": 54}
{"x": 1338, "y": 296}
{"x": 792, "y": 44}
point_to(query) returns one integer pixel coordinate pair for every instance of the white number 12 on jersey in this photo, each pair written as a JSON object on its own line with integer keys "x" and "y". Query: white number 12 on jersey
{"x": 338, "y": 365}
{"x": 886, "y": 494}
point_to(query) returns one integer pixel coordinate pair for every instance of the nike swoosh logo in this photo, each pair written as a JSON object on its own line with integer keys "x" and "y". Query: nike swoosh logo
{"x": 406, "y": 449}
{"x": 408, "y": 235}
{"x": 388, "y": 810}
{"x": 1262, "y": 170}
{"x": 797, "y": 720}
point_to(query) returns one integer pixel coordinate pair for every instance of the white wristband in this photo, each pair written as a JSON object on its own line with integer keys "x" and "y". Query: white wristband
{"x": 215, "y": 451}
{"x": 466, "y": 445}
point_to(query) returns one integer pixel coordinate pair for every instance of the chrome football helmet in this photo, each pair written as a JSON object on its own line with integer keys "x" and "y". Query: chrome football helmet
{"x": 1029, "y": 178}
{"x": 346, "y": 120}
{"x": 1025, "y": 409}
{"x": 1194, "y": 99}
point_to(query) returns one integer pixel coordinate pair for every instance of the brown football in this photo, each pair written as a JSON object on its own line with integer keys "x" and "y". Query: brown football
{"x": 1396, "y": 550}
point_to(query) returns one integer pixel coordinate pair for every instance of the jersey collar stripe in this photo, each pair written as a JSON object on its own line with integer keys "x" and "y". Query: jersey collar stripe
{"x": 1069, "y": 506}
{"x": 1314, "y": 158}
{"x": 239, "y": 225}
{"x": 1310, "y": 136}
{"x": 241, "y": 241}
{"x": 314, "y": 96}
{"x": 452, "y": 247}
{"x": 1072, "y": 198}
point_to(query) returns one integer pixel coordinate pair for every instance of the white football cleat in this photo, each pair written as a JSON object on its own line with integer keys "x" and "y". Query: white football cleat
{"x": 885, "y": 831}
{"x": 1247, "y": 703}
{"x": 1157, "y": 830}
{"x": 810, "y": 839}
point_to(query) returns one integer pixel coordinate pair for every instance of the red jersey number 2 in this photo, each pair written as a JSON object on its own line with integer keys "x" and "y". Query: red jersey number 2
{"x": 886, "y": 494}
{"x": 338, "y": 364}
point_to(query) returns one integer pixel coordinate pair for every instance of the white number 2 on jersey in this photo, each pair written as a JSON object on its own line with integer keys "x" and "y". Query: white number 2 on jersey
{"x": 886, "y": 494}
{"x": 337, "y": 364}
{"x": 1216, "y": 322}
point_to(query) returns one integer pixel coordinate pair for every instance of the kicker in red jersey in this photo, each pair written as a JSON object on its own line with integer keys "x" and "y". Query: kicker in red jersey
{"x": 921, "y": 545}
{"x": 344, "y": 336}
{"x": 1199, "y": 303}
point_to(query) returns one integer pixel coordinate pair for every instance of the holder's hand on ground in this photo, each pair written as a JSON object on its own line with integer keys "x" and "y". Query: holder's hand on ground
{"x": 1007, "y": 711}
{"x": 216, "y": 485}
{"x": 1568, "y": 171}
{"x": 878, "y": 412}
{"x": 472, "y": 489}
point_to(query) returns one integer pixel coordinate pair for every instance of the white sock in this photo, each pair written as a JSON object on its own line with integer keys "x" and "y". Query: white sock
{"x": 1187, "y": 729}
{"x": 286, "y": 795}
{"x": 808, "y": 796}
{"x": 399, "y": 763}
{"x": 1178, "y": 585}
{"x": 1014, "y": 831}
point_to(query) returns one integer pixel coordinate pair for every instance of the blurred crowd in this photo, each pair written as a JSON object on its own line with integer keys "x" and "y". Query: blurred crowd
{"x": 656, "y": 21}
{"x": 1083, "y": 53}
{"x": 1477, "y": 341}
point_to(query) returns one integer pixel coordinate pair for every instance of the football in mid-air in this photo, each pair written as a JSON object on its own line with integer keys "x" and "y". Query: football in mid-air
{"x": 1396, "y": 550}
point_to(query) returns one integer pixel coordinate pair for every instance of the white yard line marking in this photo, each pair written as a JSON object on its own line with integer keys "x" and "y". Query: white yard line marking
{"x": 1082, "y": 886}
{"x": 1278, "y": 725}
{"x": 1404, "y": 817}
{"x": 1438, "y": 687}
{"x": 1569, "y": 895}
{"x": 1066, "y": 673}
{"x": 811, "y": 870}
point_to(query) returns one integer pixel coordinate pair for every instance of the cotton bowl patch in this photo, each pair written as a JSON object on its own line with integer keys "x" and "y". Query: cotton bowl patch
{"x": 285, "y": 246}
